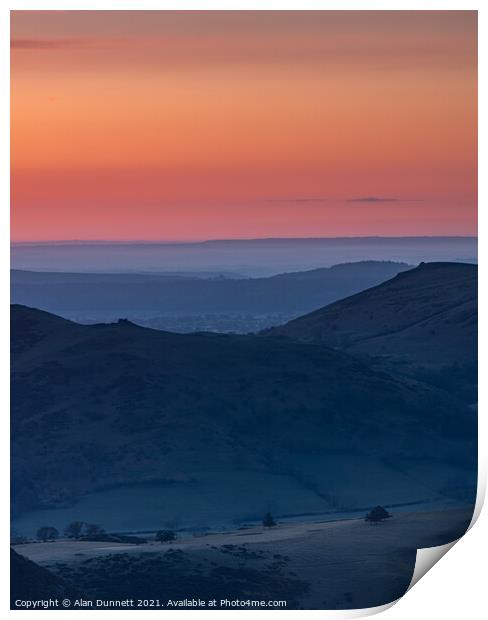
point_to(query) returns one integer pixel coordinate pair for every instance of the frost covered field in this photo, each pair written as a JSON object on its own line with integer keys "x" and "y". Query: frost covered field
{"x": 312, "y": 565}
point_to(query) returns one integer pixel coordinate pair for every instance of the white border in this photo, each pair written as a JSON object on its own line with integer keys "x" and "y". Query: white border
{"x": 456, "y": 586}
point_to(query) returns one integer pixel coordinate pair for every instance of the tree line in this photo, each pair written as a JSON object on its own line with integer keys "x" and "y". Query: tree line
{"x": 85, "y": 531}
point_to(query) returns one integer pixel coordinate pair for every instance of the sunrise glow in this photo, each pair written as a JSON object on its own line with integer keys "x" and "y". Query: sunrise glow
{"x": 192, "y": 125}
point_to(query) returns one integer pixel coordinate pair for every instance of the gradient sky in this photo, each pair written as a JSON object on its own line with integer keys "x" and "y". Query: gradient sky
{"x": 230, "y": 124}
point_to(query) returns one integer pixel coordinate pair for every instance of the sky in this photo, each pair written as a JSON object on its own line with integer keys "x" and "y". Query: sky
{"x": 190, "y": 125}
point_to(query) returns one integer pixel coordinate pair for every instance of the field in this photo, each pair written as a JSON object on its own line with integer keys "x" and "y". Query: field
{"x": 208, "y": 500}
{"x": 310, "y": 565}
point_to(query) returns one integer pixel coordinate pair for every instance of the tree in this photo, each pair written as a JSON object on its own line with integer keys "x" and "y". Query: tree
{"x": 268, "y": 520}
{"x": 47, "y": 532}
{"x": 376, "y": 515}
{"x": 164, "y": 536}
{"x": 92, "y": 529}
{"x": 74, "y": 529}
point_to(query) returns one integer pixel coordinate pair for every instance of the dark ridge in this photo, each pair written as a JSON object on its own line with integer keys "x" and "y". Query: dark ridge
{"x": 29, "y": 581}
{"x": 426, "y": 315}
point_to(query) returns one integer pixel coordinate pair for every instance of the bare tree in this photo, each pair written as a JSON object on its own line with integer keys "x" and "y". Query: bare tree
{"x": 47, "y": 532}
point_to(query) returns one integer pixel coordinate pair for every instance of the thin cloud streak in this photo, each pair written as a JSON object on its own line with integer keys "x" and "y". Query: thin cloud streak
{"x": 48, "y": 44}
{"x": 361, "y": 199}
{"x": 339, "y": 49}
{"x": 374, "y": 199}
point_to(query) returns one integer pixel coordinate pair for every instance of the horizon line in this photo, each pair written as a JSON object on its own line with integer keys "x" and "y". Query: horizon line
{"x": 222, "y": 239}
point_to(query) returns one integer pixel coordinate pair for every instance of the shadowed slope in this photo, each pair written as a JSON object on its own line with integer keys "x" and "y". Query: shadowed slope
{"x": 98, "y": 407}
{"x": 427, "y": 315}
{"x": 31, "y": 582}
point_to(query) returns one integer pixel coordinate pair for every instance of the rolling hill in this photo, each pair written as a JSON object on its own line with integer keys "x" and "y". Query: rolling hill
{"x": 132, "y": 426}
{"x": 250, "y": 257}
{"x": 425, "y": 316}
{"x": 108, "y": 295}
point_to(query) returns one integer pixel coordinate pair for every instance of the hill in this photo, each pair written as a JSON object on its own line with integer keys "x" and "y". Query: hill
{"x": 132, "y": 426}
{"x": 31, "y": 582}
{"x": 150, "y": 299}
{"x": 312, "y": 565}
{"x": 422, "y": 318}
{"x": 250, "y": 257}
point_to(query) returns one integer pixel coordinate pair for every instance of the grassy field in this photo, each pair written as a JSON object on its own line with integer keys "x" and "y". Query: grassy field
{"x": 310, "y": 565}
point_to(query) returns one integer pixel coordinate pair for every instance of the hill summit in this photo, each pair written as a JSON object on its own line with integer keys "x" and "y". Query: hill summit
{"x": 423, "y": 316}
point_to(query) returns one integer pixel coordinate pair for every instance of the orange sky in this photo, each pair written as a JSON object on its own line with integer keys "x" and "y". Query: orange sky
{"x": 190, "y": 125}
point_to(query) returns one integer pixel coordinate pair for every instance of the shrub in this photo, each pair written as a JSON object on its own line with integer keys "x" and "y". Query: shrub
{"x": 164, "y": 536}
{"x": 376, "y": 515}
{"x": 268, "y": 520}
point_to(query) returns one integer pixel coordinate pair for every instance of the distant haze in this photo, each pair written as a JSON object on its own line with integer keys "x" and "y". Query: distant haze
{"x": 254, "y": 257}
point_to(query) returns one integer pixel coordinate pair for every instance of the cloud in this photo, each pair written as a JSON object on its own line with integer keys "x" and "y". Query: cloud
{"x": 374, "y": 199}
{"x": 47, "y": 44}
{"x": 360, "y": 199}
{"x": 299, "y": 200}
{"x": 351, "y": 47}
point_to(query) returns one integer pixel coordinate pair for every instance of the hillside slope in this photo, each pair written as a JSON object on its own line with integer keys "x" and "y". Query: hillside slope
{"x": 101, "y": 295}
{"x": 31, "y": 582}
{"x": 235, "y": 423}
{"x": 427, "y": 315}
